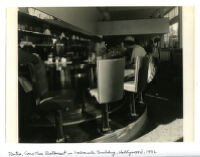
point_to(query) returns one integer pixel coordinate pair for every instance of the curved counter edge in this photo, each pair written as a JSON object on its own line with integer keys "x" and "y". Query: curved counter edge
{"x": 126, "y": 134}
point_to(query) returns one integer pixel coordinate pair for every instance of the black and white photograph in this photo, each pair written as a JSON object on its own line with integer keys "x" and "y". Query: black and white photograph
{"x": 100, "y": 74}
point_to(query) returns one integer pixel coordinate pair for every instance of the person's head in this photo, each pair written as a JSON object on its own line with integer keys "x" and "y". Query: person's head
{"x": 156, "y": 41}
{"x": 100, "y": 47}
{"x": 149, "y": 47}
{"x": 129, "y": 41}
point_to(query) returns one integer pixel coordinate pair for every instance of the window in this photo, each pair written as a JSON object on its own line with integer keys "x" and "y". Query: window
{"x": 166, "y": 16}
{"x": 173, "y": 29}
{"x": 39, "y": 14}
{"x": 171, "y": 14}
{"x": 171, "y": 39}
{"x": 173, "y": 35}
{"x": 166, "y": 40}
{"x": 176, "y": 11}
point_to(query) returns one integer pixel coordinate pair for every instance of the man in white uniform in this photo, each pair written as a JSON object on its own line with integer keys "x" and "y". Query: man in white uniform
{"x": 136, "y": 50}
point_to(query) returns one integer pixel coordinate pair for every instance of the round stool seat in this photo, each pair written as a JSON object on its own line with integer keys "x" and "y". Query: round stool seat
{"x": 53, "y": 103}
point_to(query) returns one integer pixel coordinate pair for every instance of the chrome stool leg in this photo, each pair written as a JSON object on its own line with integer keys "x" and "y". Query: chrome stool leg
{"x": 61, "y": 137}
{"x": 83, "y": 108}
{"x": 141, "y": 98}
{"x": 132, "y": 107}
{"x": 59, "y": 128}
{"x": 105, "y": 119}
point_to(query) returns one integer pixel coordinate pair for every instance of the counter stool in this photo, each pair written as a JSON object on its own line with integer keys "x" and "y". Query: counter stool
{"x": 54, "y": 105}
{"x": 110, "y": 76}
{"x": 138, "y": 85}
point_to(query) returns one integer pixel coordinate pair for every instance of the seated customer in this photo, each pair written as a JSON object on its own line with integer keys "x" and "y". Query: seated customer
{"x": 152, "y": 61}
{"x": 26, "y": 98}
{"x": 32, "y": 76}
{"x": 26, "y": 57}
{"x": 141, "y": 52}
{"x": 153, "y": 75}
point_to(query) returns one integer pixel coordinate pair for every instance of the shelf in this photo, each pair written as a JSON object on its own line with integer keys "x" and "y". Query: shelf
{"x": 33, "y": 32}
{"x": 44, "y": 45}
{"x": 77, "y": 45}
{"x": 38, "y": 45}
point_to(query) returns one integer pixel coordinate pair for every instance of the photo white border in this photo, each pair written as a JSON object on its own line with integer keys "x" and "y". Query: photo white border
{"x": 166, "y": 147}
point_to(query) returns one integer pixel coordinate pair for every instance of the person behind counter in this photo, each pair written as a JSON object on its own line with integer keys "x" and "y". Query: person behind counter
{"x": 100, "y": 49}
{"x": 132, "y": 50}
{"x": 105, "y": 51}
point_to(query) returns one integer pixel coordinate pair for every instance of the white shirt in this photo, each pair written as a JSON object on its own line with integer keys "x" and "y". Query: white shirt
{"x": 138, "y": 51}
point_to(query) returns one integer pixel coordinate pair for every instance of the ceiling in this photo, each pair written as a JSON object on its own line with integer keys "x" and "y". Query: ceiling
{"x": 131, "y": 13}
